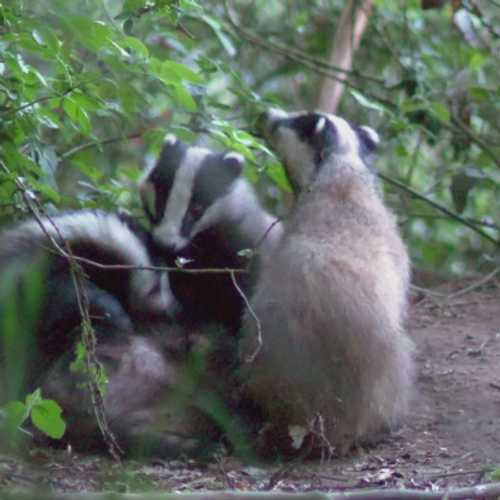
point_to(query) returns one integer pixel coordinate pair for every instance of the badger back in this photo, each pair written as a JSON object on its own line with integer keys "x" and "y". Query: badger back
{"x": 100, "y": 241}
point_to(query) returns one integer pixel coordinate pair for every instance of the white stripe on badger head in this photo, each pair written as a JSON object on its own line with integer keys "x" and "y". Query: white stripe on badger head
{"x": 147, "y": 193}
{"x": 233, "y": 155}
{"x": 168, "y": 231}
{"x": 296, "y": 155}
{"x": 320, "y": 125}
{"x": 346, "y": 136}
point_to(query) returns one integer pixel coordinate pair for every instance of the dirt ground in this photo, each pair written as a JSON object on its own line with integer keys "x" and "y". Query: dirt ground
{"x": 451, "y": 439}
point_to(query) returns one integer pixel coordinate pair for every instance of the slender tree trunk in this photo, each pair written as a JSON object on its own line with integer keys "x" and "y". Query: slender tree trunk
{"x": 341, "y": 52}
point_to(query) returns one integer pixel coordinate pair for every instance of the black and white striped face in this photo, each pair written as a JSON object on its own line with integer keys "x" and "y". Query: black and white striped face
{"x": 305, "y": 142}
{"x": 189, "y": 190}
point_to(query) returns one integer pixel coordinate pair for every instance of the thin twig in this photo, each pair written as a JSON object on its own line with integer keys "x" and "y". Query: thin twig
{"x": 439, "y": 207}
{"x": 94, "y": 368}
{"x": 221, "y": 270}
{"x": 472, "y": 287}
{"x": 257, "y": 321}
{"x": 95, "y": 144}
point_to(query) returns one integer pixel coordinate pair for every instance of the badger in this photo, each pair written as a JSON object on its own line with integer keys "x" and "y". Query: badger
{"x": 165, "y": 379}
{"x": 98, "y": 239}
{"x": 203, "y": 210}
{"x": 324, "y": 346}
{"x": 164, "y": 394}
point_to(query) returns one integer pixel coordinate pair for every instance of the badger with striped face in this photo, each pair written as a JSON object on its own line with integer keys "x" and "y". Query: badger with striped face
{"x": 117, "y": 297}
{"x": 144, "y": 353}
{"x": 202, "y": 209}
{"x": 329, "y": 352}
{"x": 304, "y": 141}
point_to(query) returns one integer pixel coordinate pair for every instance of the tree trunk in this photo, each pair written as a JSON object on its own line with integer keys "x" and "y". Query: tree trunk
{"x": 341, "y": 52}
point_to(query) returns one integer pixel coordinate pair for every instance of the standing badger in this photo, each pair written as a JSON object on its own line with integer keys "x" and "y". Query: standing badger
{"x": 202, "y": 209}
{"x": 328, "y": 351}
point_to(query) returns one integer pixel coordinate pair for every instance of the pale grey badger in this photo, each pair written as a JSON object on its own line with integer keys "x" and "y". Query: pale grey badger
{"x": 143, "y": 353}
{"x": 334, "y": 356}
{"x": 202, "y": 209}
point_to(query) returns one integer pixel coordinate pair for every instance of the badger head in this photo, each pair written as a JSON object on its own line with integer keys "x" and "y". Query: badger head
{"x": 306, "y": 142}
{"x": 189, "y": 190}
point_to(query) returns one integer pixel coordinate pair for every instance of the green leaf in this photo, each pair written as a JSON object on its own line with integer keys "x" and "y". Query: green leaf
{"x": 48, "y": 192}
{"x": 93, "y": 35}
{"x": 479, "y": 93}
{"x": 215, "y": 24}
{"x": 46, "y": 416}
{"x": 461, "y": 185}
{"x": 184, "y": 134}
{"x": 16, "y": 413}
{"x": 115, "y": 63}
{"x": 85, "y": 102}
{"x": 476, "y": 61}
{"x": 277, "y": 173}
{"x": 76, "y": 114}
{"x": 182, "y": 97}
{"x": 183, "y": 72}
{"x": 440, "y": 111}
{"x": 412, "y": 105}
{"x": 401, "y": 151}
{"x": 134, "y": 44}
{"x": 366, "y": 103}
{"x": 51, "y": 40}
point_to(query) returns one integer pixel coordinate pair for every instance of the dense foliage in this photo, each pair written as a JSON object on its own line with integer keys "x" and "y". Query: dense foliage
{"x": 89, "y": 88}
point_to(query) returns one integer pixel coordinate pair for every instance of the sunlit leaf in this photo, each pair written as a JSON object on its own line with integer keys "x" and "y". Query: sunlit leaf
{"x": 440, "y": 110}
{"x": 46, "y": 416}
{"x": 134, "y": 44}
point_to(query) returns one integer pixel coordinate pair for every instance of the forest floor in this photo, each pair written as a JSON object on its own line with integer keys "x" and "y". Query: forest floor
{"x": 452, "y": 438}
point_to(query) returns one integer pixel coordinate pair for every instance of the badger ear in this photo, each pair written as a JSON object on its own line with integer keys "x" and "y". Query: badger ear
{"x": 170, "y": 140}
{"x": 235, "y": 162}
{"x": 368, "y": 138}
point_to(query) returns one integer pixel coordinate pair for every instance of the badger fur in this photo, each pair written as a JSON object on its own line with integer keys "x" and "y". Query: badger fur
{"x": 165, "y": 390}
{"x": 203, "y": 210}
{"x": 334, "y": 357}
{"x": 162, "y": 375}
{"x": 100, "y": 238}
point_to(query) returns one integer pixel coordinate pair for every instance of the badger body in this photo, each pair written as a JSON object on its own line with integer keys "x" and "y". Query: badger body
{"x": 161, "y": 374}
{"x": 333, "y": 356}
{"x": 203, "y": 211}
{"x": 115, "y": 297}
{"x": 165, "y": 385}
